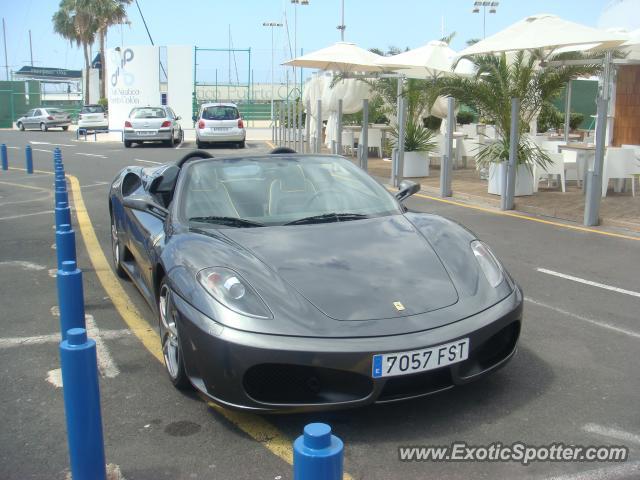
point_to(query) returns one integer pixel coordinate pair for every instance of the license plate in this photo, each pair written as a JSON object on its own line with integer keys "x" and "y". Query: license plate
{"x": 220, "y": 129}
{"x": 404, "y": 363}
{"x": 146, "y": 132}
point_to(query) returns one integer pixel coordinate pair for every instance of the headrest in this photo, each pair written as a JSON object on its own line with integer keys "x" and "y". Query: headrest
{"x": 193, "y": 155}
{"x": 277, "y": 150}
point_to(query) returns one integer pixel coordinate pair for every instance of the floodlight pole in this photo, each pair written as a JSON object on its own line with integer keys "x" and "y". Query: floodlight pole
{"x": 342, "y": 26}
{"x": 339, "y": 129}
{"x": 363, "y": 145}
{"x": 272, "y": 25}
{"x": 398, "y": 166}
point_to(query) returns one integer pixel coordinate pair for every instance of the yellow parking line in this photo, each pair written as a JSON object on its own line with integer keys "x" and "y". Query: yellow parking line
{"x": 253, "y": 425}
{"x": 525, "y": 217}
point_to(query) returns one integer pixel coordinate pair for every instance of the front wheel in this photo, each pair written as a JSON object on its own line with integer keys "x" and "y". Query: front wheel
{"x": 170, "y": 340}
{"x": 116, "y": 249}
{"x": 43, "y": 127}
{"x": 65, "y": 128}
{"x": 20, "y": 126}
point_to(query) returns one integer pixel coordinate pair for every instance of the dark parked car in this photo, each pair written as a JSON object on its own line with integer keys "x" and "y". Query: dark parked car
{"x": 296, "y": 282}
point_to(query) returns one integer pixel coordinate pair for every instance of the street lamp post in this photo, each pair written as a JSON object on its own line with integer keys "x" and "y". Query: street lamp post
{"x": 492, "y": 4}
{"x": 342, "y": 26}
{"x": 272, "y": 25}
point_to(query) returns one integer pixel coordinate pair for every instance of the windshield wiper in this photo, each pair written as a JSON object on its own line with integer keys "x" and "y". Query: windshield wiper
{"x": 229, "y": 221}
{"x": 328, "y": 217}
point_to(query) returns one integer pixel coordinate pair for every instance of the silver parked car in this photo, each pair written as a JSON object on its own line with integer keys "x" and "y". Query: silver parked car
{"x": 43, "y": 119}
{"x": 221, "y": 123}
{"x": 152, "y": 124}
{"x": 93, "y": 117}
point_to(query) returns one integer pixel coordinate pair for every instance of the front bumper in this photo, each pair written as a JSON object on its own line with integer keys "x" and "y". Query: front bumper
{"x": 231, "y": 135}
{"x": 271, "y": 373}
{"x": 143, "y": 136}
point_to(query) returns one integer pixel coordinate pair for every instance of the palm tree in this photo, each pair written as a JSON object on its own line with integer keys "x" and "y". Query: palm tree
{"x": 75, "y": 22}
{"x": 499, "y": 78}
{"x": 108, "y": 13}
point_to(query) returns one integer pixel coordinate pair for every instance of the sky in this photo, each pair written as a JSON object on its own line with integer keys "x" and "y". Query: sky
{"x": 206, "y": 23}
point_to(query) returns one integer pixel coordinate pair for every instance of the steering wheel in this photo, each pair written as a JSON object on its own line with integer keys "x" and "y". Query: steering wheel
{"x": 321, "y": 193}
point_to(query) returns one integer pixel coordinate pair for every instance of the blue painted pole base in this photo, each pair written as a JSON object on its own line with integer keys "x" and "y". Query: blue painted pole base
{"x": 317, "y": 454}
{"x": 5, "y": 158}
{"x": 29, "y": 158}
{"x": 65, "y": 244}
{"x": 82, "y": 406}
{"x": 62, "y": 214}
{"x": 70, "y": 297}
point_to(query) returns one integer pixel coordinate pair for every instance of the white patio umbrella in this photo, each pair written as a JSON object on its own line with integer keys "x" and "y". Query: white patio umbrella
{"x": 550, "y": 33}
{"x": 434, "y": 58}
{"x": 545, "y": 31}
{"x": 339, "y": 57}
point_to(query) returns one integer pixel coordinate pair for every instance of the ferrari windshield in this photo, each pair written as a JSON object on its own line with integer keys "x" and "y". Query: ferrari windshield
{"x": 279, "y": 190}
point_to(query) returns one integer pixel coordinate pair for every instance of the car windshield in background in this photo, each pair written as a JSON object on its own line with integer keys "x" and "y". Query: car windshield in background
{"x": 92, "y": 109}
{"x": 147, "y": 113}
{"x": 280, "y": 190}
{"x": 220, "y": 113}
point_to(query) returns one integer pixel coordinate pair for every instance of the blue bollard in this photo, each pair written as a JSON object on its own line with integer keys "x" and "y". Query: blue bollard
{"x": 29, "y": 155}
{"x": 61, "y": 195}
{"x": 60, "y": 182}
{"x": 65, "y": 244}
{"x": 5, "y": 158}
{"x": 82, "y": 406}
{"x": 63, "y": 214}
{"x": 57, "y": 155}
{"x": 70, "y": 297}
{"x": 59, "y": 168}
{"x": 317, "y": 455}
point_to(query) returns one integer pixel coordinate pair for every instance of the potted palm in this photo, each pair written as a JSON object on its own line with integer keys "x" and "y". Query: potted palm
{"x": 418, "y": 143}
{"x": 499, "y": 78}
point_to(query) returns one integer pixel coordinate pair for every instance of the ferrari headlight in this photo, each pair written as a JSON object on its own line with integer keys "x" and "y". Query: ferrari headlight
{"x": 232, "y": 291}
{"x": 488, "y": 263}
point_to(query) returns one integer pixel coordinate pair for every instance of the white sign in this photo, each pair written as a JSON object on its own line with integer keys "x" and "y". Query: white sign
{"x": 133, "y": 76}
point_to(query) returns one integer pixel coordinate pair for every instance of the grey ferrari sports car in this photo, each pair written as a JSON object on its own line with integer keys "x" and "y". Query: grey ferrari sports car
{"x": 290, "y": 282}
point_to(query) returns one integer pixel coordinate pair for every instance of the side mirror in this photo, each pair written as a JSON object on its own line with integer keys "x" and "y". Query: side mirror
{"x": 406, "y": 189}
{"x": 145, "y": 205}
{"x": 179, "y": 118}
{"x": 194, "y": 118}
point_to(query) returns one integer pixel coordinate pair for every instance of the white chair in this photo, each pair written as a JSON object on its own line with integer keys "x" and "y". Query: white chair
{"x": 549, "y": 146}
{"x": 556, "y": 167}
{"x": 374, "y": 140}
{"x": 619, "y": 163}
{"x": 348, "y": 140}
{"x": 571, "y": 166}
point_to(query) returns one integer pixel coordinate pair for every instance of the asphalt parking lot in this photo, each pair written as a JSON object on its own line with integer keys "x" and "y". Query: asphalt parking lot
{"x": 574, "y": 380}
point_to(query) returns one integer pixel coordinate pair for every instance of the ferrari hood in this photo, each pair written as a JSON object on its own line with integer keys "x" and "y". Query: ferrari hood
{"x": 367, "y": 269}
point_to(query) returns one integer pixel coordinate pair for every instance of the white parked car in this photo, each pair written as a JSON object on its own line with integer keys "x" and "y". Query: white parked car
{"x": 220, "y": 123}
{"x": 153, "y": 124}
{"x": 93, "y": 117}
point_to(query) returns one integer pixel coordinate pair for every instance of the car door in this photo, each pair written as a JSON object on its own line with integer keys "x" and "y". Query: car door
{"x": 26, "y": 118}
{"x": 30, "y": 120}
{"x": 37, "y": 118}
{"x": 145, "y": 231}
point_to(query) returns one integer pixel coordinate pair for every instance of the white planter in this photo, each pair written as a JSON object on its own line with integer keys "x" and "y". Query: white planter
{"x": 497, "y": 174}
{"x": 416, "y": 164}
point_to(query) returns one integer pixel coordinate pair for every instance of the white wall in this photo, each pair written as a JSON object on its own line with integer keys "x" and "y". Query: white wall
{"x": 133, "y": 80}
{"x": 180, "y": 82}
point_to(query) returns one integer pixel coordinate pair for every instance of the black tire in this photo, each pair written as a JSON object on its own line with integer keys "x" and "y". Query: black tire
{"x": 20, "y": 126}
{"x": 43, "y": 127}
{"x": 170, "y": 339}
{"x": 116, "y": 249}
{"x": 65, "y": 128}
{"x": 127, "y": 144}
{"x": 242, "y": 144}
{"x": 200, "y": 144}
